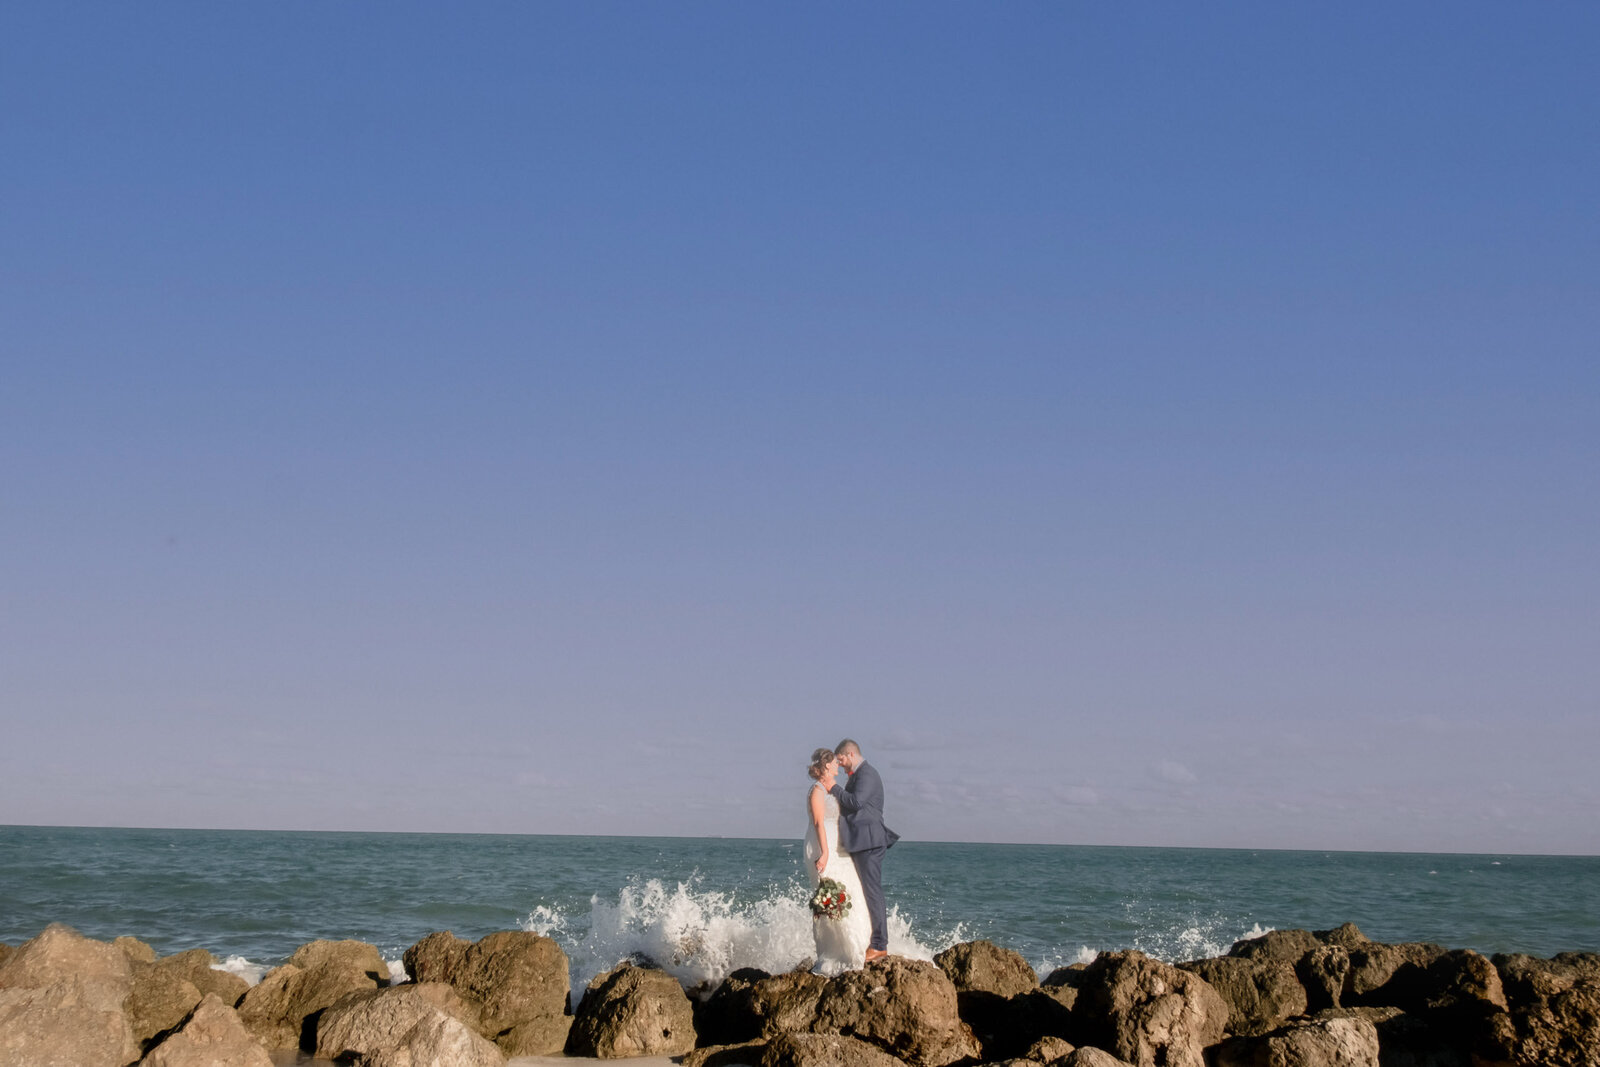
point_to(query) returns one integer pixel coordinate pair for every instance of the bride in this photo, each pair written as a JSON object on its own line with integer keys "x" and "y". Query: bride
{"x": 841, "y": 943}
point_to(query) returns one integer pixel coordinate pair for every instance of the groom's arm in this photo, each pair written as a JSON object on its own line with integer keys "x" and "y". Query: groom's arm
{"x": 866, "y": 791}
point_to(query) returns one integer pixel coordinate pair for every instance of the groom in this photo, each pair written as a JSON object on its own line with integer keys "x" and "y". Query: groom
{"x": 863, "y": 835}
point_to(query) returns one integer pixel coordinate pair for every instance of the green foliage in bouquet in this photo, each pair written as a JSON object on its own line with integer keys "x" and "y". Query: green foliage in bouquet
{"x": 830, "y": 900}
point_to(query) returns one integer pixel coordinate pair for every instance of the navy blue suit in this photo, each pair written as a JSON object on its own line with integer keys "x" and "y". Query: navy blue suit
{"x": 863, "y": 835}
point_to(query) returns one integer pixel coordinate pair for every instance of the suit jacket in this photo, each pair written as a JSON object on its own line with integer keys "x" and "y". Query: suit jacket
{"x": 861, "y": 812}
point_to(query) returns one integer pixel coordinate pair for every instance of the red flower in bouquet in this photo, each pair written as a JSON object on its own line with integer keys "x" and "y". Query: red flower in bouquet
{"x": 830, "y": 900}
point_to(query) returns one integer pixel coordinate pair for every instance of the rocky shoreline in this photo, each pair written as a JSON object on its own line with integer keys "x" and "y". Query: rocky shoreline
{"x": 1292, "y": 998}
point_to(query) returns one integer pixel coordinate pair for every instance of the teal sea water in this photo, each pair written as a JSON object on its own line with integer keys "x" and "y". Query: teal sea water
{"x": 704, "y": 907}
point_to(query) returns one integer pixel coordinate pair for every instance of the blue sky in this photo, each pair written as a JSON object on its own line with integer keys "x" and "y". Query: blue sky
{"x": 1136, "y": 424}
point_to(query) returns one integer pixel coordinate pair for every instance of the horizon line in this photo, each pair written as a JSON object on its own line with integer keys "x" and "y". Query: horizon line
{"x": 738, "y": 837}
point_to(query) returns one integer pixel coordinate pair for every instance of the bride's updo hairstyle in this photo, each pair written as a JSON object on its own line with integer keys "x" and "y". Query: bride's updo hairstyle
{"x": 819, "y": 760}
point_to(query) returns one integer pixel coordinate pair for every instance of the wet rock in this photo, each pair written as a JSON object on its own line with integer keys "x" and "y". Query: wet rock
{"x": 1261, "y": 993}
{"x": 907, "y": 1008}
{"x": 61, "y": 997}
{"x": 518, "y": 979}
{"x": 1147, "y": 1012}
{"x": 632, "y": 1011}
{"x": 1337, "y": 1041}
{"x": 824, "y": 1050}
{"x": 211, "y": 1035}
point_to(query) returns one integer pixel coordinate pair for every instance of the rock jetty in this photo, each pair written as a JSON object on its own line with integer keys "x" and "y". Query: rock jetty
{"x": 1292, "y": 998}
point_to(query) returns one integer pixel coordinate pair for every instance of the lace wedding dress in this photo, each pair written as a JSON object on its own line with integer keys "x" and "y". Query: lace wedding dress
{"x": 841, "y": 943}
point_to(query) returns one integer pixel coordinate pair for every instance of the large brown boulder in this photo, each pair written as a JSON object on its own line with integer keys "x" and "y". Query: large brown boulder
{"x": 282, "y": 1009}
{"x": 998, "y": 996}
{"x": 824, "y": 1050}
{"x": 1324, "y": 972}
{"x": 438, "y": 1040}
{"x": 1089, "y": 1056}
{"x": 1459, "y": 993}
{"x": 61, "y": 952}
{"x": 1049, "y": 1051}
{"x": 1064, "y": 983}
{"x": 366, "y": 1023}
{"x": 1347, "y": 936}
{"x": 724, "y": 1017}
{"x": 738, "y": 1054}
{"x": 136, "y": 951}
{"x": 1339, "y": 1041}
{"x": 439, "y": 957}
{"x": 196, "y": 967}
{"x": 211, "y": 1035}
{"x": 1022, "y": 1022}
{"x": 61, "y": 998}
{"x": 1147, "y": 1012}
{"x": 632, "y": 1011}
{"x": 906, "y": 1007}
{"x": 349, "y": 955}
{"x": 1261, "y": 993}
{"x": 1372, "y": 966}
{"x": 158, "y": 1003}
{"x": 518, "y": 979}
{"x": 989, "y": 981}
{"x": 5, "y": 952}
{"x": 1321, "y": 960}
{"x": 786, "y": 1003}
{"x": 983, "y": 967}
{"x": 1285, "y": 945}
{"x": 1555, "y": 1007}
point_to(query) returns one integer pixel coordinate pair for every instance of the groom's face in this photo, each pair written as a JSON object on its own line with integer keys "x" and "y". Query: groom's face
{"x": 848, "y": 761}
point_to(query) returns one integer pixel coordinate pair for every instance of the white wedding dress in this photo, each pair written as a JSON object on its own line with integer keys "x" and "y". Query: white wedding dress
{"x": 841, "y": 943}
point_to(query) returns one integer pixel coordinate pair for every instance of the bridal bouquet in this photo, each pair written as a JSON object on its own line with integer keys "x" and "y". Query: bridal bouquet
{"x": 830, "y": 900}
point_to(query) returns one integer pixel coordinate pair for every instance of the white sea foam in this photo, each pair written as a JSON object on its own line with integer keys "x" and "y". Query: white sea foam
{"x": 1194, "y": 942}
{"x": 397, "y": 971}
{"x": 697, "y": 935}
{"x": 250, "y": 972}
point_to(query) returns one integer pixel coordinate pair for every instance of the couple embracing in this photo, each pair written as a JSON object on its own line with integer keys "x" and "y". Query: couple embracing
{"x": 845, "y": 843}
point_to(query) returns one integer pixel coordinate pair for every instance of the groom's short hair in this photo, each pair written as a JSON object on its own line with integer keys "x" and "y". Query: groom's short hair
{"x": 847, "y": 745}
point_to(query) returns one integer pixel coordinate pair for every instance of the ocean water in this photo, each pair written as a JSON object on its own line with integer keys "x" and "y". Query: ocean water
{"x": 704, "y": 907}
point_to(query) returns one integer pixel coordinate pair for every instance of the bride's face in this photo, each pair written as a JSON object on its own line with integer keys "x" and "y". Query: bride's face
{"x": 832, "y": 768}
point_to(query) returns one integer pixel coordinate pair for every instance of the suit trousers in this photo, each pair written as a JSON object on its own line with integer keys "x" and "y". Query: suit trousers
{"x": 869, "y": 866}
